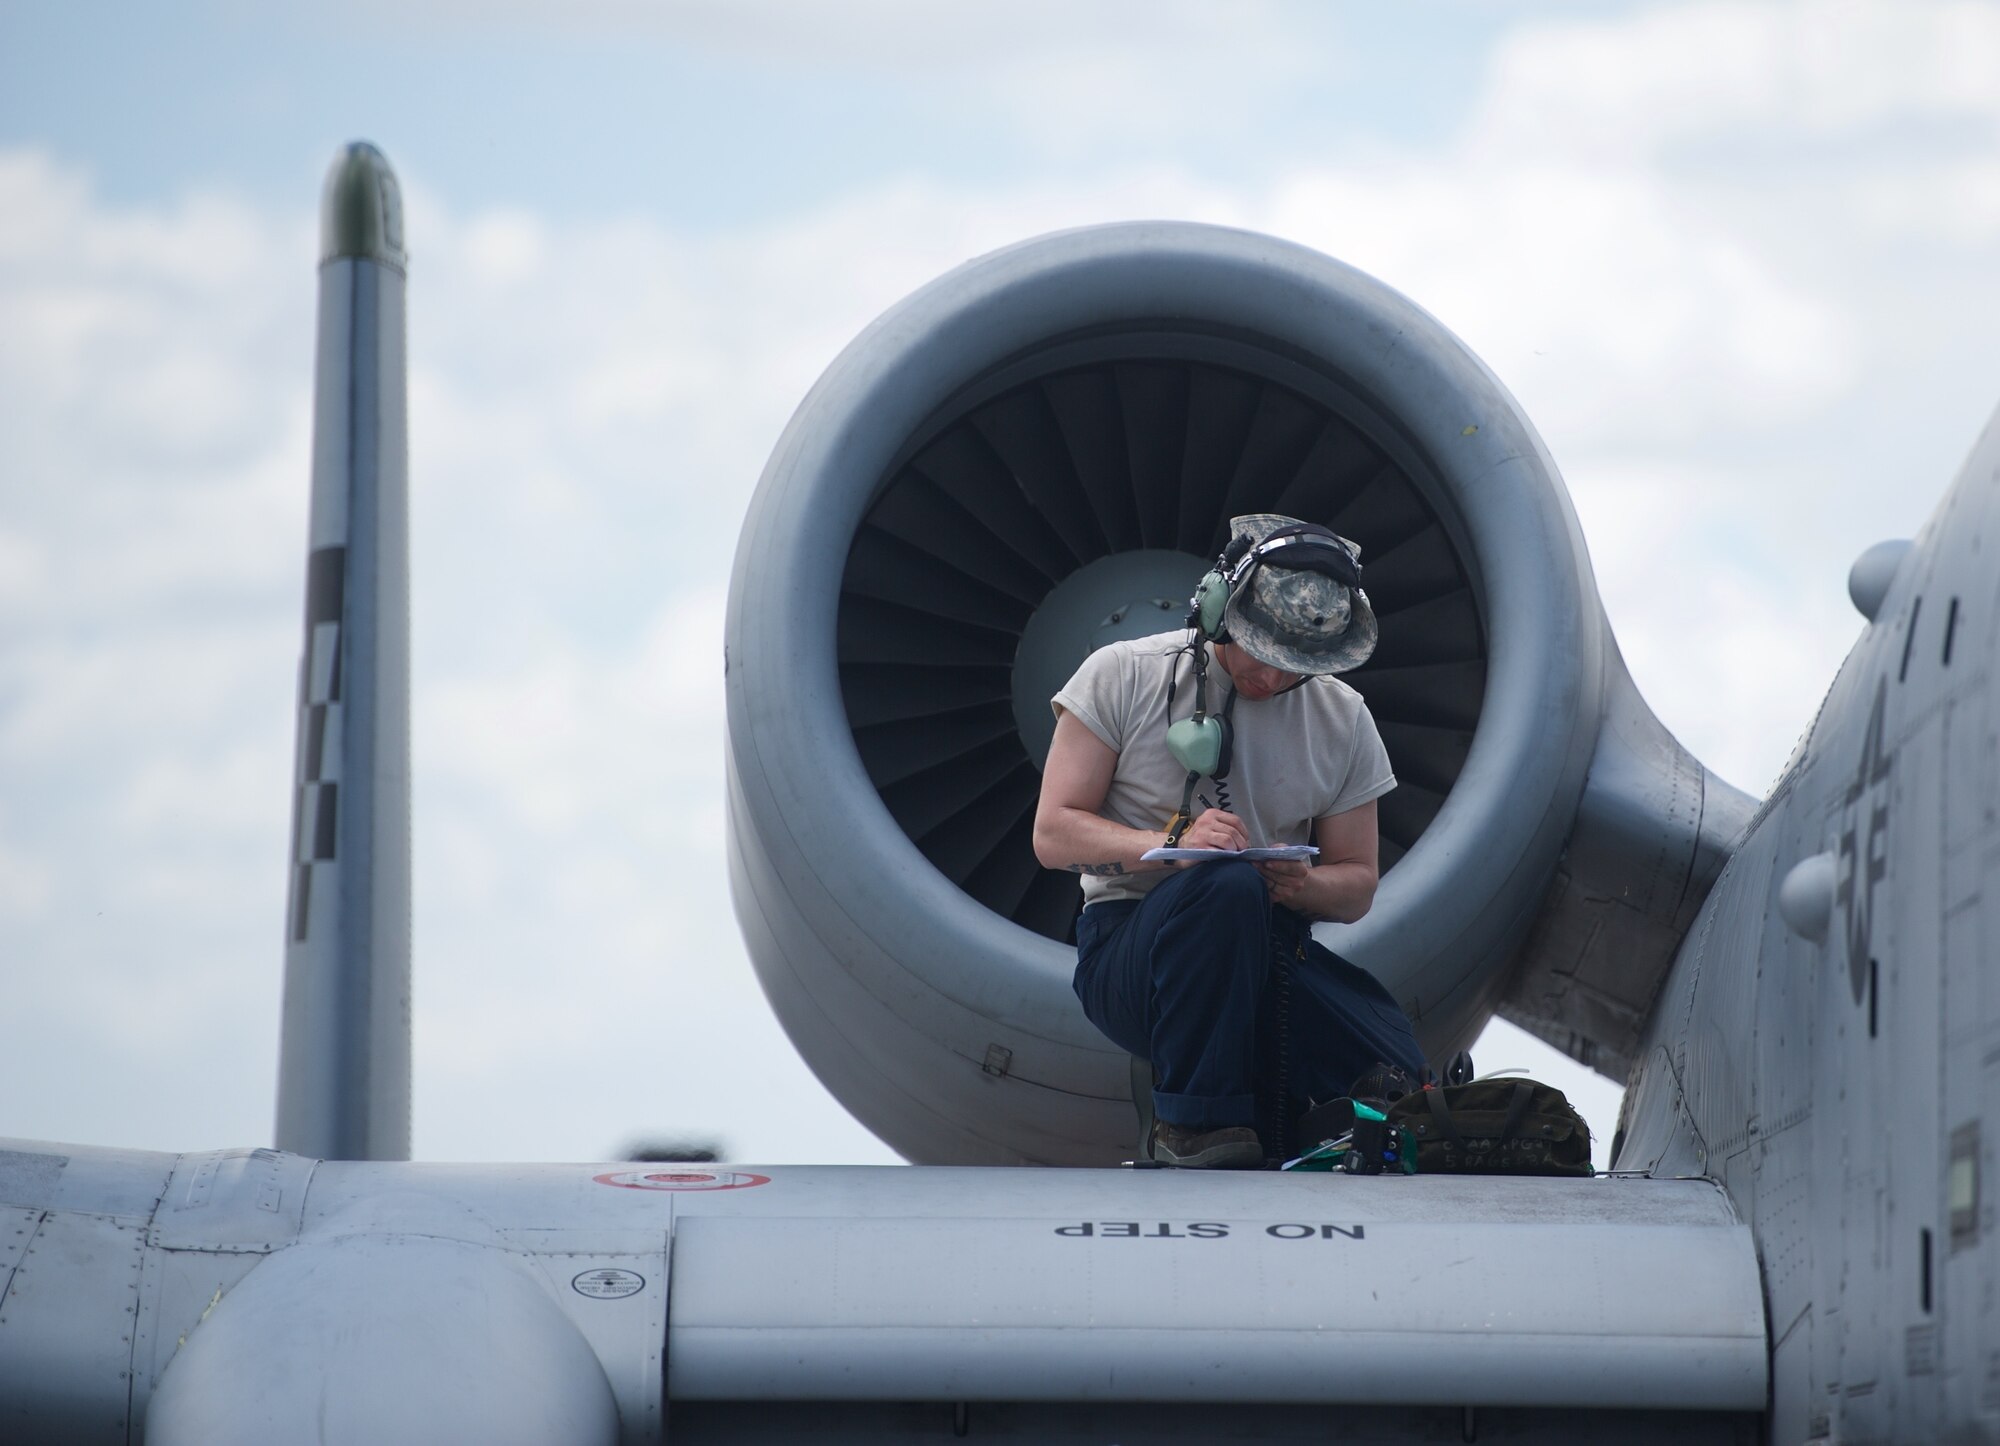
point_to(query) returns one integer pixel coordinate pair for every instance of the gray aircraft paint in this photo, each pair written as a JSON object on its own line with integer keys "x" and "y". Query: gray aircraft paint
{"x": 1798, "y": 1247}
{"x": 344, "y": 1056}
{"x": 1842, "y": 1086}
{"x": 262, "y": 1296}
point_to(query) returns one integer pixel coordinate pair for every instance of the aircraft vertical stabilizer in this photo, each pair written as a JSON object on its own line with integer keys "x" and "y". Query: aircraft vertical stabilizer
{"x": 344, "y": 1058}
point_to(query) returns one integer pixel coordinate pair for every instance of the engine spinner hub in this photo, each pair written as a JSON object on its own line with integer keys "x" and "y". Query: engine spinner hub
{"x": 1123, "y": 595}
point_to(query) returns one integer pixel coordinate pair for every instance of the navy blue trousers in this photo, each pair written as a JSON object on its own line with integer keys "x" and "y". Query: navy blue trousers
{"x": 1176, "y": 978}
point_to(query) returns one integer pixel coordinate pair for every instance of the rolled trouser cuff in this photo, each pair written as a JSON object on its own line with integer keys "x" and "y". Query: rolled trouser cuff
{"x": 1205, "y": 1112}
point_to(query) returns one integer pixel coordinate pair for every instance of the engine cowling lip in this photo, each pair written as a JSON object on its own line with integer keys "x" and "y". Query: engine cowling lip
{"x": 893, "y": 379}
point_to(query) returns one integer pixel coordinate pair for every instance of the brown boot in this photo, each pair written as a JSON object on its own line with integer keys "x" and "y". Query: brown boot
{"x": 1235, "y": 1148}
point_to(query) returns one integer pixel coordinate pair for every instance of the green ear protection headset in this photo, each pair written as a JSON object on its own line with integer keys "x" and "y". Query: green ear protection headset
{"x": 1203, "y": 744}
{"x": 1303, "y": 547}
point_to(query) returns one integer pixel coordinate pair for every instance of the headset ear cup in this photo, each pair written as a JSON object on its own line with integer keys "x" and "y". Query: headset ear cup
{"x": 1211, "y": 601}
{"x": 1197, "y": 744}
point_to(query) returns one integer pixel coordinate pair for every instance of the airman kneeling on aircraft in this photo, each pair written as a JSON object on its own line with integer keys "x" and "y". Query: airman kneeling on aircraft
{"x": 1173, "y": 956}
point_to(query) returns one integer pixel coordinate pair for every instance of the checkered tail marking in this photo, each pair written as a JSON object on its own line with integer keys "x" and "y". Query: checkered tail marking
{"x": 316, "y": 802}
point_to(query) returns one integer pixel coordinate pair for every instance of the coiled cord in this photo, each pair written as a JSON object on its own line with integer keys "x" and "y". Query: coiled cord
{"x": 1275, "y": 1017}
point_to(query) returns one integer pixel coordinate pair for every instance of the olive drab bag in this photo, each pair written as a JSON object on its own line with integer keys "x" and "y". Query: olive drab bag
{"x": 1495, "y": 1127}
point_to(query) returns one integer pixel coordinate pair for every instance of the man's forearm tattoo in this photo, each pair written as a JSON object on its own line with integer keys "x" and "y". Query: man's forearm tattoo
{"x": 1101, "y": 870}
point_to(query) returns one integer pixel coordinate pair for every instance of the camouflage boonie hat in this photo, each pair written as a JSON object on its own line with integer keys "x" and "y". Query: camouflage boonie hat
{"x": 1301, "y": 622}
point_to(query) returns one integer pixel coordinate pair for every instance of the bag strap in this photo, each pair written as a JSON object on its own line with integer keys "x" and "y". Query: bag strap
{"x": 1516, "y": 1108}
{"x": 1435, "y": 1098}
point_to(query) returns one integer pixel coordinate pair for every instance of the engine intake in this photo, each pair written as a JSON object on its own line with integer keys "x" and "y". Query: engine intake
{"x": 1037, "y": 453}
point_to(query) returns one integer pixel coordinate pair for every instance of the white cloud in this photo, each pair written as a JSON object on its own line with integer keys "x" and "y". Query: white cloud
{"x": 1955, "y": 204}
{"x": 1827, "y": 71}
{"x": 1732, "y": 646}
{"x": 1527, "y": 263}
{"x": 25, "y": 883}
{"x": 43, "y": 202}
{"x": 900, "y": 37}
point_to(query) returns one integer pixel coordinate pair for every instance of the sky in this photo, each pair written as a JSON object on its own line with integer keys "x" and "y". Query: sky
{"x": 1735, "y": 259}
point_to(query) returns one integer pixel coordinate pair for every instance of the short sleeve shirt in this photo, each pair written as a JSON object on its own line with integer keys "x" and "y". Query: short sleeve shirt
{"x": 1301, "y": 756}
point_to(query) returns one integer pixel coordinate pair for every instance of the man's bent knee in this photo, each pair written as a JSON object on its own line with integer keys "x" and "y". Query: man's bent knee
{"x": 1231, "y": 884}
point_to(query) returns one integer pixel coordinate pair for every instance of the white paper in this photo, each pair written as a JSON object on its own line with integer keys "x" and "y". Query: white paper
{"x": 1271, "y": 851}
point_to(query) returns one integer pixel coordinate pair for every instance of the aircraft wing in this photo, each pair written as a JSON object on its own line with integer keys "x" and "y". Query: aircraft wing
{"x": 979, "y": 1284}
{"x": 588, "y": 1302}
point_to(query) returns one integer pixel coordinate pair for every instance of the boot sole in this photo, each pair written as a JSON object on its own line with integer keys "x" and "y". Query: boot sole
{"x": 1241, "y": 1155}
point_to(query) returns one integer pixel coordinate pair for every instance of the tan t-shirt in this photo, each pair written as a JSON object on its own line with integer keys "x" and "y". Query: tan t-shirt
{"x": 1298, "y": 757}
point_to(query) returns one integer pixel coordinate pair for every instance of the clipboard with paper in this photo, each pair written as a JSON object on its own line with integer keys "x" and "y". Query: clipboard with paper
{"x": 1254, "y": 855}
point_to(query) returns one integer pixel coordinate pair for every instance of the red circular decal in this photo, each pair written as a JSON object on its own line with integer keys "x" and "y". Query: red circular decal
{"x": 682, "y": 1179}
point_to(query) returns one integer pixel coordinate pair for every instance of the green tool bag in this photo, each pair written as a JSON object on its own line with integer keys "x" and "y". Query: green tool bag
{"x": 1495, "y": 1127}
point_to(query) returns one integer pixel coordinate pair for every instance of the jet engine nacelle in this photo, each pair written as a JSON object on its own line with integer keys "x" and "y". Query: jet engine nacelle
{"x": 1040, "y": 452}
